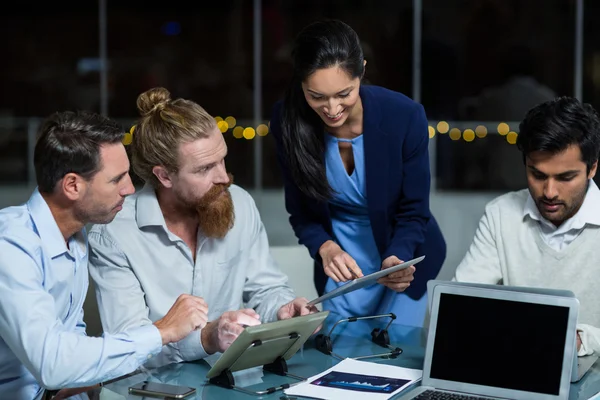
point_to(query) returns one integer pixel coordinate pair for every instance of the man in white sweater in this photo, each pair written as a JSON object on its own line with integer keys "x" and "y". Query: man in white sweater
{"x": 549, "y": 235}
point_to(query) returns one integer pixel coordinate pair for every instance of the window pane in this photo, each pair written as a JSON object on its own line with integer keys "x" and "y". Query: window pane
{"x": 491, "y": 61}
{"x": 200, "y": 51}
{"x": 466, "y": 161}
{"x": 591, "y": 57}
{"x": 591, "y": 54}
{"x": 14, "y": 169}
{"x": 52, "y": 50}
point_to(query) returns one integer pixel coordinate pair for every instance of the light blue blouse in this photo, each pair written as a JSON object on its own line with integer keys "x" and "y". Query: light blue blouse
{"x": 352, "y": 231}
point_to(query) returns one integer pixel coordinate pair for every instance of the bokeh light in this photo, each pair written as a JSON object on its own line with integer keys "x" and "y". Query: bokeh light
{"x": 503, "y": 128}
{"x": 469, "y": 135}
{"x": 249, "y": 133}
{"x": 481, "y": 131}
{"x": 454, "y": 134}
{"x": 443, "y": 127}
{"x": 431, "y": 132}
{"x": 262, "y": 130}
{"x": 223, "y": 126}
{"x": 238, "y": 132}
{"x": 231, "y": 121}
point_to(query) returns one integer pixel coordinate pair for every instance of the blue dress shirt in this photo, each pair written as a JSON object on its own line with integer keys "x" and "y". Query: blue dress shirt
{"x": 43, "y": 284}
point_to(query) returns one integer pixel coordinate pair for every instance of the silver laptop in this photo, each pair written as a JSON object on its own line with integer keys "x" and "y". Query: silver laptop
{"x": 501, "y": 344}
{"x": 581, "y": 365}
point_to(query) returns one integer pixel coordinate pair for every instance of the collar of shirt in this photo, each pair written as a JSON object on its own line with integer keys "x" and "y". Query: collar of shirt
{"x": 148, "y": 212}
{"x": 589, "y": 212}
{"x": 49, "y": 231}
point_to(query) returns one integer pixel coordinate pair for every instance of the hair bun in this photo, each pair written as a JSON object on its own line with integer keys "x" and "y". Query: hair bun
{"x": 152, "y": 100}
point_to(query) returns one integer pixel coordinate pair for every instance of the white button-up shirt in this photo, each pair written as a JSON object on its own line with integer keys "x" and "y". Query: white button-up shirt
{"x": 140, "y": 268}
{"x": 560, "y": 237}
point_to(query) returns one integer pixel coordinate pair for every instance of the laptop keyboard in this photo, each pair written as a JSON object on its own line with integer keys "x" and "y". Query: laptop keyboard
{"x": 436, "y": 395}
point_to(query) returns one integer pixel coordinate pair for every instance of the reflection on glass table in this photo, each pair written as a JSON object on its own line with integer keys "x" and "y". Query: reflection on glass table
{"x": 349, "y": 340}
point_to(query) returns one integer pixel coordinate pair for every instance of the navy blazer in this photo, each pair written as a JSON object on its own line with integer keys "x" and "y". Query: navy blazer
{"x": 398, "y": 179}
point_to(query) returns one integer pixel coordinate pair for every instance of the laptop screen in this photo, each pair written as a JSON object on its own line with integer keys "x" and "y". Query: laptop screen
{"x": 500, "y": 343}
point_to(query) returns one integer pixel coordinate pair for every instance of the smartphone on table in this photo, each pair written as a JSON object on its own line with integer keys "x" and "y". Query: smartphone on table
{"x": 156, "y": 389}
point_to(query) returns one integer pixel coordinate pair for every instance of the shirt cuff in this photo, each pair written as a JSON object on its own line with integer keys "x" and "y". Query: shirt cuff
{"x": 584, "y": 350}
{"x": 269, "y": 314}
{"x": 191, "y": 347}
{"x": 147, "y": 340}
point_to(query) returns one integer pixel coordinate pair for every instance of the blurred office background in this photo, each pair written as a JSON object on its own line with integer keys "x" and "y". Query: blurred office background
{"x": 476, "y": 65}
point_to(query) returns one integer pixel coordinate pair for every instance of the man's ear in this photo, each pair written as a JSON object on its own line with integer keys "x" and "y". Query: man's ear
{"x": 163, "y": 176}
{"x": 593, "y": 170}
{"x": 73, "y": 186}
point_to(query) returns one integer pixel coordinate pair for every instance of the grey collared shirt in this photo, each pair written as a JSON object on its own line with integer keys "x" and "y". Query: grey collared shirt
{"x": 140, "y": 268}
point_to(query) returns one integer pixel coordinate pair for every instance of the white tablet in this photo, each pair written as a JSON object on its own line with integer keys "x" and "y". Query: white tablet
{"x": 366, "y": 280}
{"x": 284, "y": 338}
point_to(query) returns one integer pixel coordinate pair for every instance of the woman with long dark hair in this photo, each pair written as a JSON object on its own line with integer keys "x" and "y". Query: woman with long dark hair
{"x": 356, "y": 170}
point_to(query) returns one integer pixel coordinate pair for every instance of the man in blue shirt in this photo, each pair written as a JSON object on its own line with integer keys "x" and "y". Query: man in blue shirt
{"x": 82, "y": 175}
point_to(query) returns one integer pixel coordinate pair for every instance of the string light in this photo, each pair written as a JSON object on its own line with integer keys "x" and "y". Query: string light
{"x": 262, "y": 130}
{"x": 481, "y": 131}
{"x": 230, "y": 121}
{"x": 249, "y": 133}
{"x": 223, "y": 126}
{"x": 511, "y": 137}
{"x": 238, "y": 132}
{"x": 443, "y": 127}
{"x": 431, "y": 132}
{"x": 454, "y": 134}
{"x": 469, "y": 135}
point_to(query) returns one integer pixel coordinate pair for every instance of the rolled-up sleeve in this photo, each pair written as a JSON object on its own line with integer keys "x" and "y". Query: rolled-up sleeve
{"x": 266, "y": 288}
{"x": 590, "y": 340}
{"x": 121, "y": 299}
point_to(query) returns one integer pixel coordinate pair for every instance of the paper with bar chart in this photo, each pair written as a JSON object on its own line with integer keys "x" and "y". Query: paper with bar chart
{"x": 359, "y": 378}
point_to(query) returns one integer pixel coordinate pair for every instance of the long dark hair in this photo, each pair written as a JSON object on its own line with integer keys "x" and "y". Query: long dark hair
{"x": 322, "y": 44}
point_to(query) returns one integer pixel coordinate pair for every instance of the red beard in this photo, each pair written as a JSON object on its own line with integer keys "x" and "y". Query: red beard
{"x": 215, "y": 211}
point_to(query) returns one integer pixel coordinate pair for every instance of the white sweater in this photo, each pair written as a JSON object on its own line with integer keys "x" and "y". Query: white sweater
{"x": 508, "y": 249}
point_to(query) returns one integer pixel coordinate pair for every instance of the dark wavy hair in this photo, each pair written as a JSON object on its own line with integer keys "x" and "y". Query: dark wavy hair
{"x": 69, "y": 142}
{"x": 554, "y": 125}
{"x": 320, "y": 45}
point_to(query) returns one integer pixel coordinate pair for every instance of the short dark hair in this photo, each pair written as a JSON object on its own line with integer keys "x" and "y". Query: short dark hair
{"x": 69, "y": 142}
{"x": 322, "y": 44}
{"x": 554, "y": 125}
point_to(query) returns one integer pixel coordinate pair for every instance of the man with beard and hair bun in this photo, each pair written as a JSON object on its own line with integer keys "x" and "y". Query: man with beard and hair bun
{"x": 189, "y": 230}
{"x": 547, "y": 235}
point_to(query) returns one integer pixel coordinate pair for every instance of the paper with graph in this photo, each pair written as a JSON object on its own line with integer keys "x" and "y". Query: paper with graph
{"x": 351, "y": 378}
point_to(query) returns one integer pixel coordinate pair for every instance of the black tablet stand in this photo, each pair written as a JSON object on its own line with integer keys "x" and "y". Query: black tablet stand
{"x": 378, "y": 336}
{"x": 279, "y": 366}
